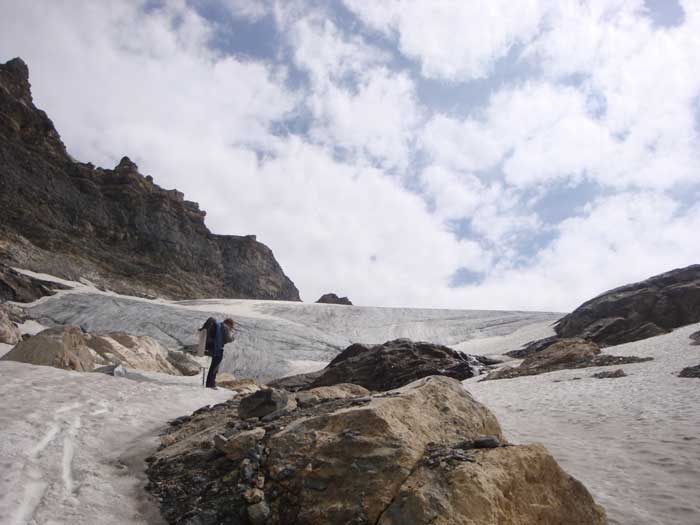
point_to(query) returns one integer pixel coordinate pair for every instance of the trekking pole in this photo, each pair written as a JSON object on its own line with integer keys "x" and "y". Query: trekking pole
{"x": 202, "y": 368}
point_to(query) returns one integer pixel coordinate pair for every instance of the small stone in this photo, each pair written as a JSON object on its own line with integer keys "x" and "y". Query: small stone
{"x": 487, "y": 442}
{"x": 253, "y": 495}
{"x": 610, "y": 375}
{"x": 258, "y": 513}
{"x": 259, "y": 480}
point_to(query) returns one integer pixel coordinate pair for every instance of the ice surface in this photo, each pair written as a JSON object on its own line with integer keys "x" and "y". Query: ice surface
{"x": 276, "y": 338}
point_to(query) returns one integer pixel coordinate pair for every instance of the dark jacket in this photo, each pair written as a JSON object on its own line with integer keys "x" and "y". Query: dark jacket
{"x": 223, "y": 335}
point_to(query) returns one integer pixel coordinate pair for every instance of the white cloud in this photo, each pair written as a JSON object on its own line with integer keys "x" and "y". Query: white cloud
{"x": 616, "y": 103}
{"x": 358, "y": 103}
{"x": 454, "y": 40}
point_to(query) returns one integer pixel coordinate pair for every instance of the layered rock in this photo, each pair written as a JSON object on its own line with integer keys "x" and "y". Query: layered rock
{"x": 331, "y": 298}
{"x": 405, "y": 456}
{"x": 637, "y": 311}
{"x": 396, "y": 363}
{"x": 114, "y": 226}
{"x": 72, "y": 349}
{"x": 21, "y": 288}
{"x": 562, "y": 355}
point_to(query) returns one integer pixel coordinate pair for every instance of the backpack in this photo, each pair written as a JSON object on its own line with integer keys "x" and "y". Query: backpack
{"x": 210, "y": 327}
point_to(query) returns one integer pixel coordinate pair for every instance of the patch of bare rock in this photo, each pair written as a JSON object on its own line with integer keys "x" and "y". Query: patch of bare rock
{"x": 614, "y": 374}
{"x": 561, "y": 355}
{"x": 70, "y": 348}
{"x": 690, "y": 371}
{"x": 636, "y": 311}
{"x": 426, "y": 452}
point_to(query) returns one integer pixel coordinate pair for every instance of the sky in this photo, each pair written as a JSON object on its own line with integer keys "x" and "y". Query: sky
{"x": 474, "y": 155}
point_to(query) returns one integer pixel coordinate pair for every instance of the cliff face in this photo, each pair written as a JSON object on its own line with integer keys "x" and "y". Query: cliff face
{"x": 113, "y": 226}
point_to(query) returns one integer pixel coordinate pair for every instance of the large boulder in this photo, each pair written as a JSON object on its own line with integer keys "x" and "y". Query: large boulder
{"x": 562, "y": 355}
{"x": 411, "y": 455}
{"x": 71, "y": 348}
{"x": 331, "y": 298}
{"x": 62, "y": 347}
{"x": 637, "y": 311}
{"x": 394, "y": 364}
{"x": 9, "y": 333}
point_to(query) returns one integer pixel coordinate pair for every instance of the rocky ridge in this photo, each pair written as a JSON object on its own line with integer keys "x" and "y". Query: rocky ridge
{"x": 115, "y": 227}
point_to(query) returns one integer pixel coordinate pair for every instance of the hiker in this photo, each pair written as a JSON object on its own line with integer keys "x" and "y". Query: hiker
{"x": 218, "y": 334}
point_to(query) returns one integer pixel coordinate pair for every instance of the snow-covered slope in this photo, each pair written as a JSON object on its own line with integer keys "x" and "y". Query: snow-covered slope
{"x": 72, "y": 444}
{"x": 275, "y": 338}
{"x": 633, "y": 441}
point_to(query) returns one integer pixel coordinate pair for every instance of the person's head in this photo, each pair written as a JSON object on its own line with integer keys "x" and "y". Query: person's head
{"x": 229, "y": 322}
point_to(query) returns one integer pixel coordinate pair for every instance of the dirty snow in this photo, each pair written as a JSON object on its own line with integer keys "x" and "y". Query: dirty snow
{"x": 72, "y": 444}
{"x": 633, "y": 441}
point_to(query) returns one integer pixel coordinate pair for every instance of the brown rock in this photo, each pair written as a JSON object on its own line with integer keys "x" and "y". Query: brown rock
{"x": 406, "y": 456}
{"x": 325, "y": 393}
{"x": 238, "y": 445}
{"x": 9, "y": 333}
{"x": 515, "y": 485}
{"x": 263, "y": 402}
{"x": 562, "y": 355}
{"x": 394, "y": 364}
{"x": 62, "y": 347}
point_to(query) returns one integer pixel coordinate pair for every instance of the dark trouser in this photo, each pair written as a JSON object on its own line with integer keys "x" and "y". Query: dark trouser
{"x": 213, "y": 369}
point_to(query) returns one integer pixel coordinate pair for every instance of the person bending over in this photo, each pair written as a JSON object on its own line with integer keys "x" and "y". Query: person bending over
{"x": 221, "y": 334}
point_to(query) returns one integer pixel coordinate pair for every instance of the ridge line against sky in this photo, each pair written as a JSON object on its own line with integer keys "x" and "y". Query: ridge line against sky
{"x": 484, "y": 154}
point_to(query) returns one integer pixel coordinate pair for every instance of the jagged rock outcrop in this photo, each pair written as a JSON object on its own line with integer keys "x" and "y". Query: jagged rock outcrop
{"x": 331, "y": 298}
{"x": 563, "y": 355}
{"x": 70, "y": 348}
{"x": 115, "y": 227}
{"x": 394, "y": 364}
{"x": 406, "y": 456}
{"x": 637, "y": 311}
